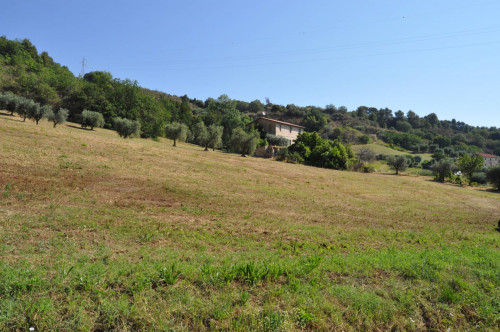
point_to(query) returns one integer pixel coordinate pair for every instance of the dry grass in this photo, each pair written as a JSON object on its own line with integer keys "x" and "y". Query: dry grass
{"x": 113, "y": 210}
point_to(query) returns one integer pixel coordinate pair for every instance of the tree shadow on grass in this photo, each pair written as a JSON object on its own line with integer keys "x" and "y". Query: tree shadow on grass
{"x": 76, "y": 127}
{"x": 10, "y": 117}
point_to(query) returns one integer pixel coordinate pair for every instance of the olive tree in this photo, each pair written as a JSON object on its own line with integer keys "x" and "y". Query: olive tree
{"x": 92, "y": 119}
{"x": 243, "y": 142}
{"x": 23, "y": 106}
{"x": 176, "y": 131}
{"x": 8, "y": 102}
{"x": 126, "y": 128}
{"x": 442, "y": 169}
{"x": 277, "y": 140}
{"x": 200, "y": 134}
{"x": 215, "y": 136}
{"x": 365, "y": 155}
{"x": 57, "y": 117}
{"x": 37, "y": 112}
{"x": 398, "y": 163}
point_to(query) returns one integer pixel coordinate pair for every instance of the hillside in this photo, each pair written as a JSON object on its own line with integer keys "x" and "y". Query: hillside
{"x": 103, "y": 233}
{"x": 27, "y": 73}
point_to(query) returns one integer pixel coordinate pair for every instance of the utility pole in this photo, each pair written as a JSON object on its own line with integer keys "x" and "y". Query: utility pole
{"x": 84, "y": 62}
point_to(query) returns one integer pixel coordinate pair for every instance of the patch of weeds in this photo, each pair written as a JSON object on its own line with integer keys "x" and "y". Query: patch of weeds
{"x": 293, "y": 246}
{"x": 16, "y": 282}
{"x": 272, "y": 320}
{"x": 305, "y": 318}
{"x": 7, "y": 190}
{"x": 168, "y": 275}
{"x": 244, "y": 297}
{"x": 450, "y": 291}
{"x": 65, "y": 164}
{"x": 146, "y": 237}
{"x": 310, "y": 263}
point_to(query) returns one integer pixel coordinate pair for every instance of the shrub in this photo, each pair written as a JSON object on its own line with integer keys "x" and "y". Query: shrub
{"x": 127, "y": 128}
{"x": 92, "y": 119}
{"x": 479, "y": 177}
{"x": 493, "y": 176}
{"x": 364, "y": 139}
{"x": 289, "y": 157}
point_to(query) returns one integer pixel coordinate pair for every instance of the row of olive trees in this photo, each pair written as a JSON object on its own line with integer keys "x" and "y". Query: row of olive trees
{"x": 29, "y": 109}
{"x": 211, "y": 136}
{"x": 240, "y": 141}
{"x": 206, "y": 137}
{"x": 468, "y": 165}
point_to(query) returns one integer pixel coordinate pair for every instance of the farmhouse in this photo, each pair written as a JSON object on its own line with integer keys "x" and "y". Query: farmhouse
{"x": 489, "y": 159}
{"x": 279, "y": 128}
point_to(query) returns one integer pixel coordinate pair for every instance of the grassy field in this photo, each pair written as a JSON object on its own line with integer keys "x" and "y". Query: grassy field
{"x": 102, "y": 233}
{"x": 381, "y": 148}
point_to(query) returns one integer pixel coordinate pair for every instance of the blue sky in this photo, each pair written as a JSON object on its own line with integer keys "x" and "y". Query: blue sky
{"x": 426, "y": 56}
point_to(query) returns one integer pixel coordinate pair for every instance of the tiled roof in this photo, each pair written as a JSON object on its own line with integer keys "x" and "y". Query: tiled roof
{"x": 280, "y": 122}
{"x": 487, "y": 155}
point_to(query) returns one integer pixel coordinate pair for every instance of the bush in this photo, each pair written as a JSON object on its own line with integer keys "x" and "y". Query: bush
{"x": 289, "y": 157}
{"x": 364, "y": 139}
{"x": 479, "y": 177}
{"x": 127, "y": 128}
{"x": 92, "y": 119}
{"x": 493, "y": 176}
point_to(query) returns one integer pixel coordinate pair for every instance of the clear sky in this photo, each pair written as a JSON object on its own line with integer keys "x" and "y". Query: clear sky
{"x": 426, "y": 56}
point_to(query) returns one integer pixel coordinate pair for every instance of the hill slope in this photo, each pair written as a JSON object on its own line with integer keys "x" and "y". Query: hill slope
{"x": 104, "y": 233}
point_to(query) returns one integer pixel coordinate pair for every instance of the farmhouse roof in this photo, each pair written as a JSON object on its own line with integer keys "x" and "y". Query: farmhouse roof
{"x": 280, "y": 122}
{"x": 487, "y": 155}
